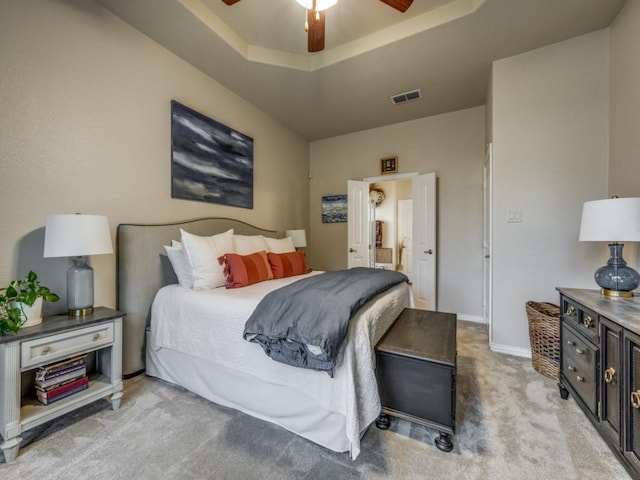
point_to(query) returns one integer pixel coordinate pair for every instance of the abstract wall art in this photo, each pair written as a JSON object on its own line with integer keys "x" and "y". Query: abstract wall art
{"x": 210, "y": 162}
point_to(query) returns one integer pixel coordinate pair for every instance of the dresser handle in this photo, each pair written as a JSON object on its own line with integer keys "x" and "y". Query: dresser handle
{"x": 570, "y": 310}
{"x": 96, "y": 336}
{"x": 587, "y": 321}
{"x": 579, "y": 378}
{"x": 579, "y": 352}
{"x": 46, "y": 350}
{"x": 635, "y": 399}
{"x": 571, "y": 368}
{"x": 609, "y": 374}
{"x": 569, "y": 342}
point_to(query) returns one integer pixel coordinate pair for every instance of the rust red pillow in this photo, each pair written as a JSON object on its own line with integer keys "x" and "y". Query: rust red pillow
{"x": 287, "y": 264}
{"x": 243, "y": 270}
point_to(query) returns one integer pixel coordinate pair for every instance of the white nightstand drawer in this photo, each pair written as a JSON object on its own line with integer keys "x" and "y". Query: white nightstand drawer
{"x": 54, "y": 347}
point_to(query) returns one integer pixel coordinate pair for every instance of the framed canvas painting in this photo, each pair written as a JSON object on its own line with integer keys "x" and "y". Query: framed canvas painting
{"x": 210, "y": 162}
{"x": 334, "y": 209}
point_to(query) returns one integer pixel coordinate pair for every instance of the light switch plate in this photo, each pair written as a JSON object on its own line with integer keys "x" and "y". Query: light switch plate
{"x": 514, "y": 215}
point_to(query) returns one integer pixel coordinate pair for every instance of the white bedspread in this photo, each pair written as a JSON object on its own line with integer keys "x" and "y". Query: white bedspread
{"x": 209, "y": 324}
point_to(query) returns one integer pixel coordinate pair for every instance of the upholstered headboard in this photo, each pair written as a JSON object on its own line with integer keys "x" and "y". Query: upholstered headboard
{"x": 143, "y": 268}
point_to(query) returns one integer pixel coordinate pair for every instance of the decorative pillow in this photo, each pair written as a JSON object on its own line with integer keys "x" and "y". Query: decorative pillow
{"x": 287, "y": 264}
{"x": 279, "y": 245}
{"x": 243, "y": 270}
{"x": 202, "y": 254}
{"x": 180, "y": 264}
{"x": 246, "y": 244}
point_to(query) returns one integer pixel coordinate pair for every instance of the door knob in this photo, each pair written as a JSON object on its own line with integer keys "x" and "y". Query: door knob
{"x": 429, "y": 252}
{"x": 352, "y": 250}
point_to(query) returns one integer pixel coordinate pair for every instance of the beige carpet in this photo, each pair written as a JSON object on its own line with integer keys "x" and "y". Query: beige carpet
{"x": 511, "y": 424}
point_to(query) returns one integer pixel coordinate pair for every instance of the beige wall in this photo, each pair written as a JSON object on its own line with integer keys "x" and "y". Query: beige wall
{"x": 624, "y": 148}
{"x": 86, "y": 128}
{"x": 452, "y": 146}
{"x": 550, "y": 140}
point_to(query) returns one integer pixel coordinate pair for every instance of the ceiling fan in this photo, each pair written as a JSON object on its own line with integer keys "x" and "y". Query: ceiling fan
{"x": 315, "y": 18}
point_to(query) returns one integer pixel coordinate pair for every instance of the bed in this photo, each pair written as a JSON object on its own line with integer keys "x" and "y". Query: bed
{"x": 172, "y": 333}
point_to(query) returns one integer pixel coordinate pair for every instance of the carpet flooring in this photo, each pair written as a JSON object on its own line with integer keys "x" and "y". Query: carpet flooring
{"x": 511, "y": 424}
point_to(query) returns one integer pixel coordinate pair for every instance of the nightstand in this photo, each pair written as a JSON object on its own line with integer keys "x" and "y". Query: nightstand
{"x": 57, "y": 338}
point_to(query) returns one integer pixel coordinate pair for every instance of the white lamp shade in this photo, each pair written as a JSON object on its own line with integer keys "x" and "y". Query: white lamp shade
{"x": 76, "y": 235}
{"x": 298, "y": 237}
{"x": 611, "y": 220}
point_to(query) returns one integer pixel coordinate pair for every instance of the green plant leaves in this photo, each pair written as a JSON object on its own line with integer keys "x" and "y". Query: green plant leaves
{"x": 24, "y": 291}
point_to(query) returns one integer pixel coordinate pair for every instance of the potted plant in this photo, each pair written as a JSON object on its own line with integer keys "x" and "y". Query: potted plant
{"x": 21, "y": 303}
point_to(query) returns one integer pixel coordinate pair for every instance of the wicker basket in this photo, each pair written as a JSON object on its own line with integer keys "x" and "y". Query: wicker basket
{"x": 544, "y": 335}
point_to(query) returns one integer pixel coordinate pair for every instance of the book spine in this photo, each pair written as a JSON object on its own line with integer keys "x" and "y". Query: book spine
{"x": 44, "y": 376}
{"x": 50, "y": 371}
{"x": 47, "y": 401}
{"x": 63, "y": 388}
{"x": 74, "y": 374}
{"x": 58, "y": 365}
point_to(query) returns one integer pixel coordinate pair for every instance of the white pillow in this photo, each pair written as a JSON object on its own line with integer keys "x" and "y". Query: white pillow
{"x": 180, "y": 264}
{"x": 280, "y": 245}
{"x": 248, "y": 244}
{"x": 203, "y": 253}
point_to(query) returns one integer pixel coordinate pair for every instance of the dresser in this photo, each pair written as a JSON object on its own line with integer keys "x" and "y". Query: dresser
{"x": 57, "y": 338}
{"x": 600, "y": 366}
{"x": 416, "y": 372}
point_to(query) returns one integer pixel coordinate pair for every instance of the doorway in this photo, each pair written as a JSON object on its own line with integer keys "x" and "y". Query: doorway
{"x": 388, "y": 235}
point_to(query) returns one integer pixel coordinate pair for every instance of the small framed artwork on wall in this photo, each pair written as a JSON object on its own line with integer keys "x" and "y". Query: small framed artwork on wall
{"x": 389, "y": 165}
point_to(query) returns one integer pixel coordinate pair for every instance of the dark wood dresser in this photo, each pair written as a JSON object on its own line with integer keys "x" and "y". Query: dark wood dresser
{"x": 600, "y": 366}
{"x": 416, "y": 372}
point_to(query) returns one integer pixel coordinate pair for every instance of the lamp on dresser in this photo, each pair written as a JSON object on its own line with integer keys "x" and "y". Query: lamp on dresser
{"x": 613, "y": 220}
{"x": 77, "y": 236}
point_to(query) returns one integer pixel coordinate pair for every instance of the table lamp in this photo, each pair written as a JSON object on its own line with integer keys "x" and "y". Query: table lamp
{"x": 77, "y": 236}
{"x": 299, "y": 237}
{"x": 613, "y": 220}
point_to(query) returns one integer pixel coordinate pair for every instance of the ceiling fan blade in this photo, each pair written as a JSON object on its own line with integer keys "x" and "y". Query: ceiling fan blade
{"x": 315, "y": 34}
{"x": 400, "y": 5}
{"x": 230, "y": 2}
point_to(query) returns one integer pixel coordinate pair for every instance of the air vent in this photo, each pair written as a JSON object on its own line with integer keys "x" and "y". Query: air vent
{"x": 406, "y": 97}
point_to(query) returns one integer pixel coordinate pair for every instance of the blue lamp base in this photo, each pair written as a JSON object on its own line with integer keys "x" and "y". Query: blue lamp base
{"x": 616, "y": 279}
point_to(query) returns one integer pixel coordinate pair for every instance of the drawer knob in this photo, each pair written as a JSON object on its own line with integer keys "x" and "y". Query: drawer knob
{"x": 635, "y": 399}
{"x": 570, "y": 310}
{"x": 46, "y": 350}
{"x": 569, "y": 342}
{"x": 587, "y": 321}
{"x": 96, "y": 336}
{"x": 579, "y": 352}
{"x": 579, "y": 378}
{"x": 609, "y": 374}
{"x": 571, "y": 368}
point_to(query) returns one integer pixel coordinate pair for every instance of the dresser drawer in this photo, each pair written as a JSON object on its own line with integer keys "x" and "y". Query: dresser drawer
{"x": 578, "y": 353}
{"x": 583, "y": 384}
{"x": 54, "y": 347}
{"x": 581, "y": 318}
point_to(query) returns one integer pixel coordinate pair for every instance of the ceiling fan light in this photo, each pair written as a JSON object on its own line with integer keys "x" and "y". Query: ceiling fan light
{"x": 320, "y": 4}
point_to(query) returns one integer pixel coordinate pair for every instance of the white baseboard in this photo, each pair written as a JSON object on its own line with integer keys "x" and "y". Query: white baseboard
{"x": 470, "y": 318}
{"x": 511, "y": 350}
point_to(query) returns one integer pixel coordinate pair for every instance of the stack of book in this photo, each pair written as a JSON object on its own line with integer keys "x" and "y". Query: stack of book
{"x": 60, "y": 380}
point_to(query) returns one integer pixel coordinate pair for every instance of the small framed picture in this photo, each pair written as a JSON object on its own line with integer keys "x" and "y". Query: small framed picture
{"x": 389, "y": 165}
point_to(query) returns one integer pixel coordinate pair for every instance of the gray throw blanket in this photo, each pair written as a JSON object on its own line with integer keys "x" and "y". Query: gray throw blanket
{"x": 315, "y": 311}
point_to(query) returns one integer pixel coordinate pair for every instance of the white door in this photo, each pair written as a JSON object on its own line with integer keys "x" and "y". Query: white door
{"x": 358, "y": 224}
{"x": 405, "y": 237}
{"x": 486, "y": 242}
{"x": 424, "y": 241}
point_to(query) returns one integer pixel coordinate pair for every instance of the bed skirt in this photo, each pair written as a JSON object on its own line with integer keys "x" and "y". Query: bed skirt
{"x": 288, "y": 408}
